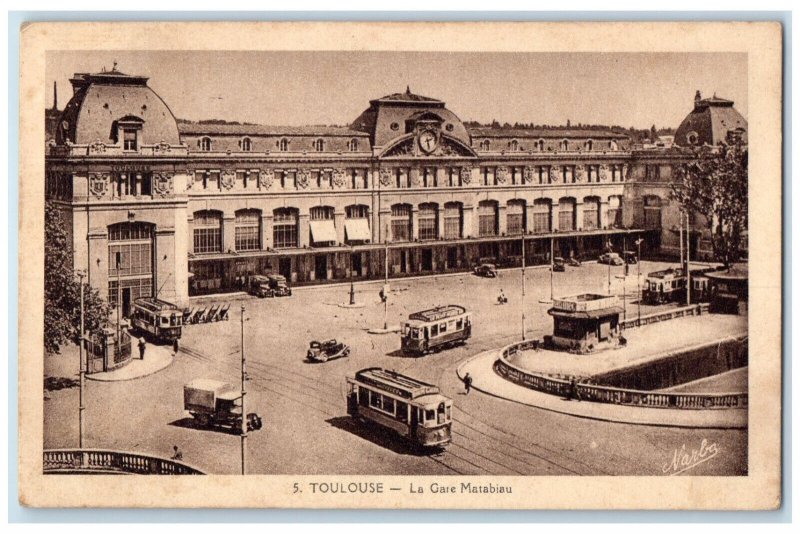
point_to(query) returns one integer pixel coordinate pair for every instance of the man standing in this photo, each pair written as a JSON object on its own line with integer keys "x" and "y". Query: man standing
{"x": 142, "y": 346}
{"x": 467, "y": 383}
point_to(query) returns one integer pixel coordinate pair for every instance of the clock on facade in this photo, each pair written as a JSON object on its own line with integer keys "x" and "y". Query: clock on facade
{"x": 428, "y": 141}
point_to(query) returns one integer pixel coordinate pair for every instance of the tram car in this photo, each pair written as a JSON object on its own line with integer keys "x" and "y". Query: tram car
{"x": 435, "y": 329}
{"x": 661, "y": 287}
{"x": 157, "y": 318}
{"x": 414, "y": 410}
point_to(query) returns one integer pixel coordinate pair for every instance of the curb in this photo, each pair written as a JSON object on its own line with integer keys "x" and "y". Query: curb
{"x": 171, "y": 361}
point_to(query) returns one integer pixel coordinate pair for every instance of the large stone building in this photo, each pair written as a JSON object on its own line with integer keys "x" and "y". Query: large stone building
{"x": 190, "y": 209}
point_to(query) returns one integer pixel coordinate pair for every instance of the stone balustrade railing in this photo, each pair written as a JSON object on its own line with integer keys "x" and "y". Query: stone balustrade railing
{"x": 76, "y": 461}
{"x": 608, "y": 394}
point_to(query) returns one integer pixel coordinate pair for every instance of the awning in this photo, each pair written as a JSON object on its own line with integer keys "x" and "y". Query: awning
{"x": 594, "y": 314}
{"x": 323, "y": 231}
{"x": 357, "y": 230}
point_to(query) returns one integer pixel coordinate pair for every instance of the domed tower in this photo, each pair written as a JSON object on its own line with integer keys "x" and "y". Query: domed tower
{"x": 114, "y": 108}
{"x": 712, "y": 121}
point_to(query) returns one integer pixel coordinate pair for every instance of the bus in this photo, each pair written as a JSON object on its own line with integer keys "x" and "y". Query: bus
{"x": 436, "y": 329}
{"x": 415, "y": 410}
{"x": 669, "y": 285}
{"x": 158, "y": 318}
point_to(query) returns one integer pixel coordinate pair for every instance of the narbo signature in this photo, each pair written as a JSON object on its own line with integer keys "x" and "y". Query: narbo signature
{"x": 683, "y": 459}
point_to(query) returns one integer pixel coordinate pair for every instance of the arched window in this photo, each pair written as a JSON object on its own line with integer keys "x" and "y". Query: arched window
{"x": 401, "y": 222}
{"x": 207, "y": 232}
{"x": 245, "y": 144}
{"x": 515, "y": 217}
{"x": 319, "y": 145}
{"x": 591, "y": 213}
{"x": 205, "y": 144}
{"x": 487, "y": 218}
{"x": 453, "y": 220}
{"x": 353, "y": 145}
{"x": 321, "y": 213}
{"x": 485, "y": 144}
{"x": 130, "y": 256}
{"x": 284, "y": 228}
{"x": 428, "y": 221}
{"x": 542, "y": 215}
{"x": 566, "y": 214}
{"x": 613, "y": 145}
{"x": 540, "y": 145}
{"x": 615, "y": 211}
{"x": 283, "y": 145}
{"x": 589, "y": 144}
{"x": 565, "y": 145}
{"x": 248, "y": 230}
{"x": 356, "y": 224}
{"x": 513, "y": 145}
{"x": 356, "y": 211}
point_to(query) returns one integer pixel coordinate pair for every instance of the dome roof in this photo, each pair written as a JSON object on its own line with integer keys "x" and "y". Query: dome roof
{"x": 100, "y": 101}
{"x": 711, "y": 122}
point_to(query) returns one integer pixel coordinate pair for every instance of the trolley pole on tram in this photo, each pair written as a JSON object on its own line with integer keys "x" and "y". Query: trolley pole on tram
{"x": 119, "y": 300}
{"x": 386, "y": 278}
{"x": 81, "y": 406}
{"x": 552, "y": 247}
{"x": 688, "y": 275}
{"x": 523, "y": 285}
{"x": 244, "y": 406}
{"x": 639, "y": 280}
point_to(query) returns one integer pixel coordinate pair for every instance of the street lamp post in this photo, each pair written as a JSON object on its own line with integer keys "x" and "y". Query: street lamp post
{"x": 523, "y": 285}
{"x": 118, "y": 258}
{"x": 352, "y": 287}
{"x": 386, "y": 279}
{"x": 81, "y": 406}
{"x": 244, "y": 408}
{"x": 639, "y": 280}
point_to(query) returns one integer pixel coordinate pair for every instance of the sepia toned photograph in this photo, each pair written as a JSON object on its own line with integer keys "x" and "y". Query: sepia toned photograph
{"x": 347, "y": 269}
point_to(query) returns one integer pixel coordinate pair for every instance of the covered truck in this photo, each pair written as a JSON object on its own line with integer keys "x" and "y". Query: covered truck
{"x": 215, "y": 403}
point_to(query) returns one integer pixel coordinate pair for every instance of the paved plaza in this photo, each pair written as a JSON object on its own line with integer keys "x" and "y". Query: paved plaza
{"x": 306, "y": 426}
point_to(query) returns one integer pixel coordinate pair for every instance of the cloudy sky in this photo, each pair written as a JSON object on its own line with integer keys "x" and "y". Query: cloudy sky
{"x": 296, "y": 88}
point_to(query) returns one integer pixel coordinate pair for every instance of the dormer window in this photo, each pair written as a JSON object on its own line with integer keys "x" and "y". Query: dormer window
{"x": 205, "y": 144}
{"x": 513, "y": 145}
{"x": 540, "y": 145}
{"x": 565, "y": 145}
{"x": 485, "y": 144}
{"x": 283, "y": 145}
{"x": 130, "y": 139}
{"x": 353, "y": 145}
{"x": 245, "y": 144}
{"x": 589, "y": 144}
{"x": 319, "y": 145}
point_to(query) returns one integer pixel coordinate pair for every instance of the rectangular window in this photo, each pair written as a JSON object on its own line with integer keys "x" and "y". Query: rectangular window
{"x": 284, "y": 230}
{"x": 427, "y": 224}
{"x": 207, "y": 240}
{"x": 487, "y": 221}
{"x": 566, "y": 219}
{"x": 135, "y": 259}
{"x": 452, "y": 222}
{"x": 129, "y": 140}
{"x": 590, "y": 217}
{"x": 248, "y": 238}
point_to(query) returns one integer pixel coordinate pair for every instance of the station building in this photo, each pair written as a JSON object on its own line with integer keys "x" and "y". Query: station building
{"x": 161, "y": 207}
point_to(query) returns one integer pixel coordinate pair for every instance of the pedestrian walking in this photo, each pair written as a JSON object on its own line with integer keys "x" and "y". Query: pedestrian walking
{"x": 175, "y": 346}
{"x": 572, "y": 391}
{"x": 177, "y": 454}
{"x": 142, "y": 346}
{"x": 467, "y": 383}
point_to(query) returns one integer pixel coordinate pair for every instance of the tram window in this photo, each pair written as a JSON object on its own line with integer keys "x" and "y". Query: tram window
{"x": 448, "y": 413}
{"x": 434, "y": 330}
{"x": 402, "y": 411}
{"x": 459, "y": 324}
{"x": 414, "y": 333}
{"x": 165, "y": 321}
{"x": 388, "y": 405}
{"x": 430, "y": 415}
{"x": 363, "y": 396}
{"x": 375, "y": 399}
{"x": 443, "y": 327}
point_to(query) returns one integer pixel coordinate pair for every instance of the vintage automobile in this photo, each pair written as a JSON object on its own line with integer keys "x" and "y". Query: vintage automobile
{"x": 259, "y": 286}
{"x": 559, "y": 265}
{"x": 278, "y": 286}
{"x": 216, "y": 404}
{"x": 630, "y": 257}
{"x": 610, "y": 258}
{"x": 488, "y": 270}
{"x": 322, "y": 351}
{"x": 573, "y": 261}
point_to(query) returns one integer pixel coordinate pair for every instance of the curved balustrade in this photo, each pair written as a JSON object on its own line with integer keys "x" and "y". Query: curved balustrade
{"x": 82, "y": 461}
{"x": 608, "y": 394}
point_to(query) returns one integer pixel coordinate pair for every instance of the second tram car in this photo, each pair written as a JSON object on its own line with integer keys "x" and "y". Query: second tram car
{"x": 415, "y": 410}
{"x": 436, "y": 329}
{"x": 669, "y": 285}
{"x": 160, "y": 319}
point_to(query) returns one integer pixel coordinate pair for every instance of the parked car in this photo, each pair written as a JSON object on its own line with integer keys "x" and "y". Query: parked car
{"x": 574, "y": 262}
{"x": 322, "y": 351}
{"x": 279, "y": 286}
{"x": 610, "y": 258}
{"x": 630, "y": 257}
{"x": 489, "y": 270}
{"x": 259, "y": 286}
{"x": 559, "y": 265}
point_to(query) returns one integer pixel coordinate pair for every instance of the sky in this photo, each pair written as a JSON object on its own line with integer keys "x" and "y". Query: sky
{"x": 311, "y": 88}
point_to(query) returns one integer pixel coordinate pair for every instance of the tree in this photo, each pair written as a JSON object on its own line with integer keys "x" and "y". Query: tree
{"x": 714, "y": 185}
{"x": 62, "y": 290}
